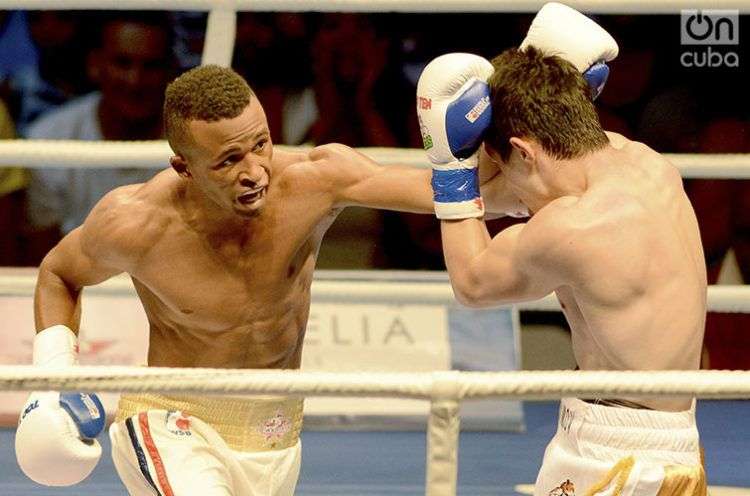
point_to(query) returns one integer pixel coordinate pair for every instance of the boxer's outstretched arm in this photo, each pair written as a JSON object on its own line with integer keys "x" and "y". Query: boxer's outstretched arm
{"x": 88, "y": 255}
{"x": 359, "y": 180}
{"x": 355, "y": 179}
{"x": 488, "y": 271}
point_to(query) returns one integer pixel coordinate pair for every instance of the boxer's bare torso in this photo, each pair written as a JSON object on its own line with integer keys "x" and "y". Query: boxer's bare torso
{"x": 635, "y": 281}
{"x": 231, "y": 295}
{"x": 224, "y": 283}
{"x": 225, "y": 280}
{"x": 624, "y": 256}
{"x": 235, "y": 298}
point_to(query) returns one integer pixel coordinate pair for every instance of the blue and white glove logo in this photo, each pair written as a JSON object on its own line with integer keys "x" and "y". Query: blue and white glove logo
{"x": 86, "y": 410}
{"x": 467, "y": 118}
{"x": 596, "y": 76}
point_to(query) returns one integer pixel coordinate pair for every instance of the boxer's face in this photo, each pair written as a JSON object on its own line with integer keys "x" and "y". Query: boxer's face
{"x": 132, "y": 69}
{"x": 522, "y": 171}
{"x": 230, "y": 160}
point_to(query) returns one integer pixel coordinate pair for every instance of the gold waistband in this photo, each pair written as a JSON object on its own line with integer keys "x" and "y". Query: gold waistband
{"x": 245, "y": 424}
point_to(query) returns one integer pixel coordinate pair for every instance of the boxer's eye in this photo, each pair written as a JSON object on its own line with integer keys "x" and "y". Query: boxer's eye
{"x": 228, "y": 162}
{"x": 260, "y": 145}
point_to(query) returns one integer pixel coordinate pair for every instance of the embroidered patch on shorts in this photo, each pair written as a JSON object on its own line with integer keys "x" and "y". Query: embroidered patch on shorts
{"x": 275, "y": 427}
{"x": 567, "y": 488}
{"x": 178, "y": 423}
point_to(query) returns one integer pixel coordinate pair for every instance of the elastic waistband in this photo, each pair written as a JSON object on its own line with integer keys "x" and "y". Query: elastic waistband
{"x": 245, "y": 424}
{"x": 616, "y": 403}
{"x": 629, "y": 428}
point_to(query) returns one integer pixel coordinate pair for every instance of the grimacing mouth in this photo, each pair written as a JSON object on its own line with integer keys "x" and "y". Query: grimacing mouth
{"x": 251, "y": 196}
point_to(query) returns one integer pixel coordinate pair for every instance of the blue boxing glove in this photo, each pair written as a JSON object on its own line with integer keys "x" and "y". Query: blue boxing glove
{"x": 560, "y": 30}
{"x": 55, "y": 440}
{"x": 453, "y": 106}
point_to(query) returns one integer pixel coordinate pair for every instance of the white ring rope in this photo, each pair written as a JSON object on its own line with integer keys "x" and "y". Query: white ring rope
{"x": 155, "y": 154}
{"x": 428, "y": 6}
{"x": 452, "y": 385}
{"x": 725, "y": 299}
{"x": 445, "y": 390}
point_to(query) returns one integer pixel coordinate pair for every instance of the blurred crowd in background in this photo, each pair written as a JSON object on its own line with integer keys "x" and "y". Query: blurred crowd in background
{"x": 351, "y": 79}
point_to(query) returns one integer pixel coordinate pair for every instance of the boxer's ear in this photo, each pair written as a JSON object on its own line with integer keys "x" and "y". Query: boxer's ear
{"x": 524, "y": 149}
{"x": 180, "y": 165}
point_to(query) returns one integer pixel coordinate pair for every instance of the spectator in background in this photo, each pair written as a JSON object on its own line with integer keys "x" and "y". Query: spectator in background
{"x": 349, "y": 60}
{"x": 272, "y": 52}
{"x": 13, "y": 182}
{"x": 131, "y": 65}
{"x": 58, "y": 71}
{"x": 189, "y": 31}
{"x": 350, "y": 82}
{"x": 16, "y": 46}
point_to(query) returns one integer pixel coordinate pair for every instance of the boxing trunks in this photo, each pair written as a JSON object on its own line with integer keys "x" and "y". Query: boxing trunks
{"x": 620, "y": 451}
{"x": 183, "y": 446}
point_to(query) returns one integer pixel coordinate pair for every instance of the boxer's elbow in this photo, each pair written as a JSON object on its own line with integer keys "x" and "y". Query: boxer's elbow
{"x": 472, "y": 292}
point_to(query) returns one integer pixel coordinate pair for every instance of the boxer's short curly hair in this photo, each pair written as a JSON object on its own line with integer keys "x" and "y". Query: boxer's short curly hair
{"x": 543, "y": 98}
{"x": 206, "y": 93}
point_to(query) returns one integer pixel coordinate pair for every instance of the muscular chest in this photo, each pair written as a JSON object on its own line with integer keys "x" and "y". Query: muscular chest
{"x": 187, "y": 280}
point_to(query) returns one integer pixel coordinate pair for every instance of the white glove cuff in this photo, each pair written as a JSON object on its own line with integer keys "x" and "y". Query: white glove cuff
{"x": 56, "y": 347}
{"x": 459, "y": 210}
{"x": 467, "y": 163}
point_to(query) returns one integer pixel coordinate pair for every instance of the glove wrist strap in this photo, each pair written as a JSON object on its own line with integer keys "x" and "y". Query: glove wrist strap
{"x": 55, "y": 347}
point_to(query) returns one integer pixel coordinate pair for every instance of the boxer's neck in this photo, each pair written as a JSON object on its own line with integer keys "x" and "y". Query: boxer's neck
{"x": 206, "y": 217}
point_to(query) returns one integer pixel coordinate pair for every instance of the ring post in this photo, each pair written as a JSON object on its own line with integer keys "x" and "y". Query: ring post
{"x": 442, "y": 435}
{"x": 220, "y": 33}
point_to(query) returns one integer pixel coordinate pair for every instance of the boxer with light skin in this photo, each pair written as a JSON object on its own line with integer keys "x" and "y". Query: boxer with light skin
{"x": 221, "y": 249}
{"x": 612, "y": 234}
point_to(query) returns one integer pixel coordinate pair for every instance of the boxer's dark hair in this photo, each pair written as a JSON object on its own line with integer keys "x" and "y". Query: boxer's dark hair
{"x": 206, "y": 93}
{"x": 544, "y": 98}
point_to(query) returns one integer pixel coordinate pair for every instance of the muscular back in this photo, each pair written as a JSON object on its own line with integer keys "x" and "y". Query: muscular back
{"x": 635, "y": 291}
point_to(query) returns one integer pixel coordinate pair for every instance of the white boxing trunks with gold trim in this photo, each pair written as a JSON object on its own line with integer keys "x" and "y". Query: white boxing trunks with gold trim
{"x": 187, "y": 445}
{"x": 618, "y": 451}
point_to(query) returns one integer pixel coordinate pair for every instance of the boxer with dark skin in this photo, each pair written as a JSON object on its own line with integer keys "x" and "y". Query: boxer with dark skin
{"x": 221, "y": 249}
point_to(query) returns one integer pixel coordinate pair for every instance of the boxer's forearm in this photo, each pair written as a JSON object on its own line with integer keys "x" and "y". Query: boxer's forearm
{"x": 401, "y": 188}
{"x": 463, "y": 242}
{"x": 54, "y": 301}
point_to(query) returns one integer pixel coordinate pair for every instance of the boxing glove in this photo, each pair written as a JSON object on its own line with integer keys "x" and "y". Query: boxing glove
{"x": 453, "y": 107}
{"x": 55, "y": 440}
{"x": 560, "y": 30}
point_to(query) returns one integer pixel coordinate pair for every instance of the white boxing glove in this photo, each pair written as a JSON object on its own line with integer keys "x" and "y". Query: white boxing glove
{"x": 454, "y": 110}
{"x": 55, "y": 440}
{"x": 563, "y": 31}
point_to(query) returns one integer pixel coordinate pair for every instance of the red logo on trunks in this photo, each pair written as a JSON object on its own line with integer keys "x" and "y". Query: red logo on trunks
{"x": 183, "y": 423}
{"x": 424, "y": 103}
{"x": 178, "y": 423}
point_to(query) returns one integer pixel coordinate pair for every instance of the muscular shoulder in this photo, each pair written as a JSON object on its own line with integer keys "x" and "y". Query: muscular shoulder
{"x": 644, "y": 157}
{"x": 128, "y": 220}
{"x": 330, "y": 166}
{"x": 337, "y": 160}
{"x": 548, "y": 239}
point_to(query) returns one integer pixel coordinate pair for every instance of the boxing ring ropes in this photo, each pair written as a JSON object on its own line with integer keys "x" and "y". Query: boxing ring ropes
{"x": 445, "y": 390}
